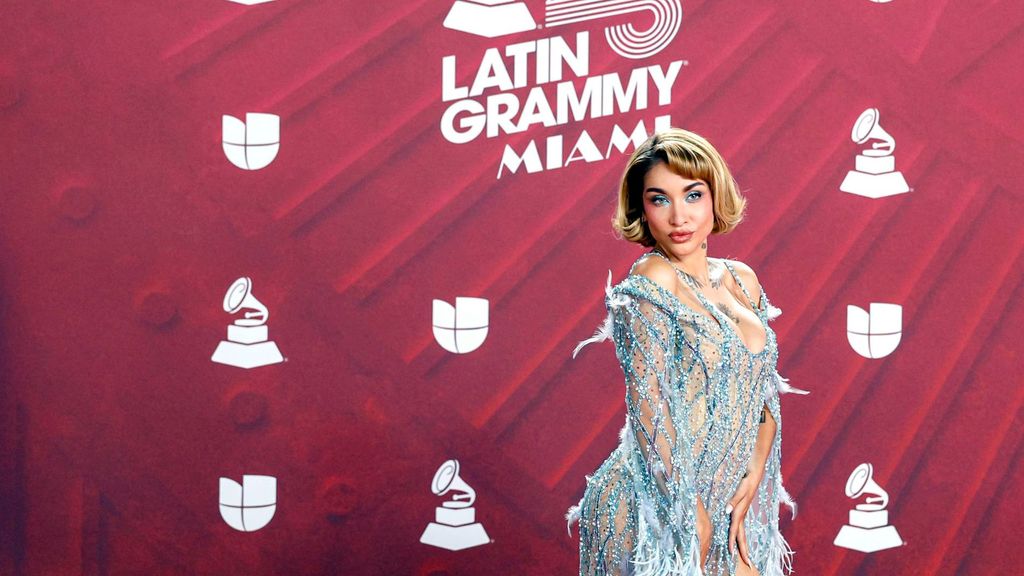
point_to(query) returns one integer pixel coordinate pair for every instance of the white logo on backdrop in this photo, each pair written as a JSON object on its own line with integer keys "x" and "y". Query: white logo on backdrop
{"x": 247, "y": 345}
{"x": 490, "y": 18}
{"x": 455, "y": 526}
{"x": 248, "y": 506}
{"x": 869, "y": 529}
{"x": 875, "y": 174}
{"x": 461, "y": 328}
{"x": 624, "y": 39}
{"x": 875, "y": 334}
{"x": 252, "y": 144}
{"x": 556, "y": 70}
{"x": 250, "y": 2}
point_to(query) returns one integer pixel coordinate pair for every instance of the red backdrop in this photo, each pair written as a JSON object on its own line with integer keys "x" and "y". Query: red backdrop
{"x": 122, "y": 224}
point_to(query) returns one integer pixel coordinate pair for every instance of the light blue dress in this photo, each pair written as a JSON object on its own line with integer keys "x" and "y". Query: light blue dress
{"x": 694, "y": 392}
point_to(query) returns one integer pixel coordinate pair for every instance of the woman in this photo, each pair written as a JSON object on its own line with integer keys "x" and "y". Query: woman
{"x": 694, "y": 486}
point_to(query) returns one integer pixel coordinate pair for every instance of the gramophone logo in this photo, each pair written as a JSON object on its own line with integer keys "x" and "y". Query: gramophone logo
{"x": 250, "y": 2}
{"x": 461, "y": 328}
{"x": 248, "y": 506}
{"x": 869, "y": 529}
{"x": 247, "y": 345}
{"x": 252, "y": 144}
{"x": 875, "y": 174}
{"x": 455, "y": 526}
{"x": 492, "y": 18}
{"x": 877, "y": 333}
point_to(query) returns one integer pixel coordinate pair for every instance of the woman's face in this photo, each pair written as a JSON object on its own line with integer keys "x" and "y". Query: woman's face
{"x": 679, "y": 211}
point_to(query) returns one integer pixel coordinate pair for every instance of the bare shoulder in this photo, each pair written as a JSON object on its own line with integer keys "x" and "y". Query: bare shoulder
{"x": 749, "y": 279}
{"x": 658, "y": 271}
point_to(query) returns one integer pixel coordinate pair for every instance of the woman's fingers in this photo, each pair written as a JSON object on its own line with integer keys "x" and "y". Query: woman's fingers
{"x": 743, "y": 495}
{"x": 741, "y": 538}
{"x": 732, "y": 536}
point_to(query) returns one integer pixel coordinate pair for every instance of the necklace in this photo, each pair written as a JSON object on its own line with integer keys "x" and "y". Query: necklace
{"x": 715, "y": 279}
{"x": 714, "y": 275}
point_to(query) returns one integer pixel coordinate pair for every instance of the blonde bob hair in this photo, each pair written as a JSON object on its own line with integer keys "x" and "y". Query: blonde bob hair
{"x": 690, "y": 156}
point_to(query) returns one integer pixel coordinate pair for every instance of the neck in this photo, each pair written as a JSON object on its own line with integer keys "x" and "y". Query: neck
{"x": 695, "y": 263}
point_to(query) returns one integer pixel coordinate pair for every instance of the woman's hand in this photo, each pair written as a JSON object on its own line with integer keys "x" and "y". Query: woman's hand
{"x": 738, "y": 506}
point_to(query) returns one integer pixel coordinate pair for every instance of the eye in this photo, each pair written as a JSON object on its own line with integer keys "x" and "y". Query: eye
{"x": 658, "y": 200}
{"x": 696, "y": 194}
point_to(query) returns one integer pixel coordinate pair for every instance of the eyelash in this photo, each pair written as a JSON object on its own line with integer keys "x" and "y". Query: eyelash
{"x": 659, "y": 197}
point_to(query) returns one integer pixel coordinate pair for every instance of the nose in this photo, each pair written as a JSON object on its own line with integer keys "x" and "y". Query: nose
{"x": 678, "y": 214}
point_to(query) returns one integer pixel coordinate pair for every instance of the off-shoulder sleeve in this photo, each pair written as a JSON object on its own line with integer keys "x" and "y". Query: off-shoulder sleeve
{"x": 646, "y": 340}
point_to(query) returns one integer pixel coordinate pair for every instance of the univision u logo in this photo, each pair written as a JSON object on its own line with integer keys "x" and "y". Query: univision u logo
{"x": 874, "y": 334}
{"x": 248, "y": 506}
{"x": 461, "y": 328}
{"x": 252, "y": 144}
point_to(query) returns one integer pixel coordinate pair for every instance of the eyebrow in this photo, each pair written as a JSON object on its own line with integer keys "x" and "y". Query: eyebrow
{"x": 655, "y": 189}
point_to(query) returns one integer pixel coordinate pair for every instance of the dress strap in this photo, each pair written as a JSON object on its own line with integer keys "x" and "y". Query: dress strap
{"x": 742, "y": 287}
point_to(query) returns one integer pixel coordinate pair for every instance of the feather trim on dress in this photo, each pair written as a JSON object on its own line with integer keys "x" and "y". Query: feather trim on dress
{"x": 656, "y": 554}
{"x": 572, "y": 516}
{"x": 782, "y": 384}
{"x": 604, "y": 331}
{"x": 780, "y": 555}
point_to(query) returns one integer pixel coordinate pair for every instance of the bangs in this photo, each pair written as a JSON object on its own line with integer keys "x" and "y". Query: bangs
{"x": 688, "y": 162}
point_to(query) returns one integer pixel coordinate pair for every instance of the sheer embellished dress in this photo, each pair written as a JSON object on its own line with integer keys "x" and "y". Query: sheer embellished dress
{"x": 694, "y": 396}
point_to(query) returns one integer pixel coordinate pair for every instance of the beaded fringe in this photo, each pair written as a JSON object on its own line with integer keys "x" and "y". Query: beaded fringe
{"x": 655, "y": 552}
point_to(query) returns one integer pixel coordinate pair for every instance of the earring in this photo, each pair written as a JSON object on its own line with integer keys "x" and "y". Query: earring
{"x": 703, "y": 245}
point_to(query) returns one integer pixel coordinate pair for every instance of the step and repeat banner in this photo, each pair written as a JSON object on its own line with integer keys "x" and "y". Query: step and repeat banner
{"x": 292, "y": 286}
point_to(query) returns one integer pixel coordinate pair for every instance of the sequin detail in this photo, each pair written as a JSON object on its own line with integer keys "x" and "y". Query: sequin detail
{"x": 694, "y": 394}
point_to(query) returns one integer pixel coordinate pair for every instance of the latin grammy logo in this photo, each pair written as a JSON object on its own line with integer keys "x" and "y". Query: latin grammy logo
{"x": 875, "y": 174}
{"x": 247, "y": 345}
{"x": 493, "y": 18}
{"x": 455, "y": 526}
{"x": 625, "y": 39}
{"x": 869, "y": 529}
{"x": 874, "y": 334}
{"x": 250, "y": 2}
{"x": 248, "y": 506}
{"x": 489, "y": 18}
{"x": 252, "y": 144}
{"x": 461, "y": 328}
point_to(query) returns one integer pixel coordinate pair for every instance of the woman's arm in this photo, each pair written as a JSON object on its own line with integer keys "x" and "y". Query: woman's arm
{"x": 741, "y": 500}
{"x": 763, "y": 445}
{"x": 645, "y": 336}
{"x": 645, "y": 341}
